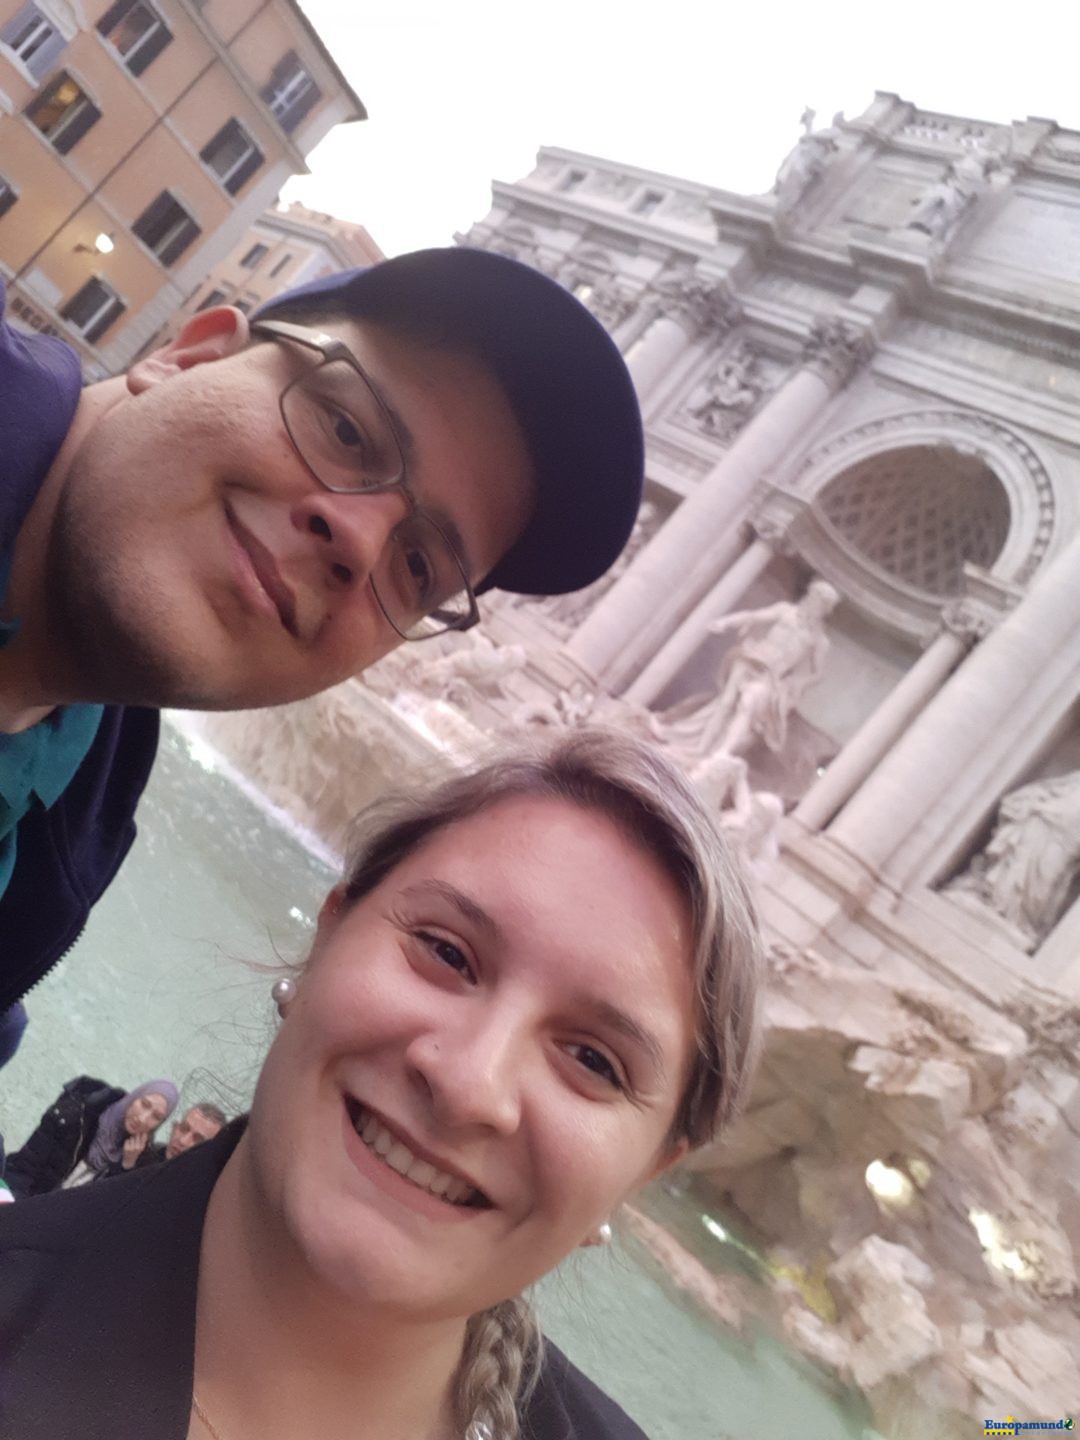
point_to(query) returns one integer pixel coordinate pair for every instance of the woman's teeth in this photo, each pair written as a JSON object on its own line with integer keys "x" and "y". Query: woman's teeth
{"x": 400, "y": 1158}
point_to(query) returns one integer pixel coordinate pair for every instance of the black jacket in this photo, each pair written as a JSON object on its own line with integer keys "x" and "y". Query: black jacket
{"x": 62, "y": 1138}
{"x": 65, "y": 856}
{"x": 97, "y": 1314}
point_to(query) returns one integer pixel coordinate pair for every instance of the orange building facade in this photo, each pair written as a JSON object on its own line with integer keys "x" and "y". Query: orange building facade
{"x": 285, "y": 247}
{"x": 139, "y": 141}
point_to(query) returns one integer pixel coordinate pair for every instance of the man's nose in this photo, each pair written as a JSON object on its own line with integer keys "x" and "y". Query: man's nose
{"x": 351, "y": 531}
{"x": 473, "y": 1074}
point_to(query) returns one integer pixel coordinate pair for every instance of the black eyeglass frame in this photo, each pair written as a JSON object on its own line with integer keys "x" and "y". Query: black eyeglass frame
{"x": 333, "y": 349}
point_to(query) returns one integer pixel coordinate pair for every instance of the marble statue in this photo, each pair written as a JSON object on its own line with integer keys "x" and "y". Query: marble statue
{"x": 779, "y": 655}
{"x": 806, "y": 162}
{"x": 481, "y": 667}
{"x": 456, "y": 676}
{"x": 1029, "y": 868}
{"x": 731, "y": 393}
{"x": 757, "y": 831}
{"x": 938, "y": 212}
{"x": 723, "y": 782}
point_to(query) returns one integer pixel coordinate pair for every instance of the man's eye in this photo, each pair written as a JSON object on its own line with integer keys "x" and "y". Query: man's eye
{"x": 421, "y": 571}
{"x": 596, "y": 1061}
{"x": 347, "y": 432}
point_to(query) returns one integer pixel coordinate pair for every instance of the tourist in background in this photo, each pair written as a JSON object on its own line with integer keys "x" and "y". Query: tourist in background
{"x": 90, "y": 1131}
{"x": 198, "y": 1124}
{"x": 534, "y": 992}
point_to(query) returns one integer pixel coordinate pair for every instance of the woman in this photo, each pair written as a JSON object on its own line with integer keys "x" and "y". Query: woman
{"x": 535, "y": 991}
{"x": 89, "y": 1131}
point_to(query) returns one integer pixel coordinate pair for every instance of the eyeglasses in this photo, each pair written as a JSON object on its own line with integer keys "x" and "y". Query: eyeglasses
{"x": 347, "y": 439}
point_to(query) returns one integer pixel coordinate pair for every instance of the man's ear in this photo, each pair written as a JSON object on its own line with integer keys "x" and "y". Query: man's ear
{"x": 207, "y": 335}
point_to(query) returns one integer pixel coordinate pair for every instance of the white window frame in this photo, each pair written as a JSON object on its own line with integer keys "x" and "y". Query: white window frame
{"x": 40, "y": 24}
{"x": 157, "y": 23}
{"x": 241, "y": 159}
{"x": 283, "y": 98}
{"x": 110, "y": 298}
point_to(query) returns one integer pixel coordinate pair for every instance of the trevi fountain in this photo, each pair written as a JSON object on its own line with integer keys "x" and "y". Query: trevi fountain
{"x": 851, "y": 609}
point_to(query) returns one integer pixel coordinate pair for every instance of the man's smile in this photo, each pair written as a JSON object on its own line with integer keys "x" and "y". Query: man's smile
{"x": 263, "y": 568}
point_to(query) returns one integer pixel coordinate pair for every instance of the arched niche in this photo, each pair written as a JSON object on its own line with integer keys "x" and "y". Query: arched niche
{"x": 892, "y": 511}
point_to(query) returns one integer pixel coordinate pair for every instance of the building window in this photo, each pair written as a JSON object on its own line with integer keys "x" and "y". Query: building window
{"x": 647, "y": 202}
{"x": 8, "y": 196}
{"x": 93, "y": 309}
{"x": 254, "y": 255}
{"x": 34, "y": 39}
{"x": 290, "y": 92}
{"x": 571, "y": 181}
{"x": 63, "y": 112}
{"x": 232, "y": 155}
{"x": 276, "y": 271}
{"x": 212, "y": 298}
{"x": 136, "y": 32}
{"x": 166, "y": 228}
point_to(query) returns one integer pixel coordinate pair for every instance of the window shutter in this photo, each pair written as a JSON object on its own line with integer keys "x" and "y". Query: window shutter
{"x": 152, "y": 216}
{"x": 308, "y": 98}
{"x": 104, "y": 320}
{"x": 88, "y": 115}
{"x": 244, "y": 172}
{"x": 41, "y": 62}
{"x": 207, "y": 151}
{"x": 150, "y": 49}
{"x": 180, "y": 242}
{"x": 280, "y": 73}
{"x": 113, "y": 16}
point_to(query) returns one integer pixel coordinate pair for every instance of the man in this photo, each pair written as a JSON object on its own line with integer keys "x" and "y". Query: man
{"x": 202, "y": 1122}
{"x": 254, "y": 513}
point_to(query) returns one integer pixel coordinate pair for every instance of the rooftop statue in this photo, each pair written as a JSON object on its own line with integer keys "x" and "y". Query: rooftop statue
{"x": 938, "y": 212}
{"x": 806, "y": 162}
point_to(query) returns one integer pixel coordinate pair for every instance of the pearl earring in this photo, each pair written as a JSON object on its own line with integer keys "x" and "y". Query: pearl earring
{"x": 283, "y": 992}
{"x": 602, "y": 1235}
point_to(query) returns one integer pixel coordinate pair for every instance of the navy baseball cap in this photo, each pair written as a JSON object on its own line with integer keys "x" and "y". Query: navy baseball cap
{"x": 567, "y": 384}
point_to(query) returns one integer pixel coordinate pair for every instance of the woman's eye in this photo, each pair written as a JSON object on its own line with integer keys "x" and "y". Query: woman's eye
{"x": 596, "y": 1061}
{"x": 447, "y": 953}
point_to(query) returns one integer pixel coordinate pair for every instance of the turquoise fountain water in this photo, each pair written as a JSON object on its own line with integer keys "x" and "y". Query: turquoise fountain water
{"x": 161, "y": 984}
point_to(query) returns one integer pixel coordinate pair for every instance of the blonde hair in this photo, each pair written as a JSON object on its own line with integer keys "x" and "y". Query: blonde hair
{"x": 644, "y": 794}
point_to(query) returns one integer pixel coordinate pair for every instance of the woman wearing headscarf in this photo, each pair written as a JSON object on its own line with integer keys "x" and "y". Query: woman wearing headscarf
{"x": 91, "y": 1130}
{"x": 534, "y": 990}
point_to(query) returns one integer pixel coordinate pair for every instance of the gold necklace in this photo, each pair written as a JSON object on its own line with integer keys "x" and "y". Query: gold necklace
{"x": 203, "y": 1417}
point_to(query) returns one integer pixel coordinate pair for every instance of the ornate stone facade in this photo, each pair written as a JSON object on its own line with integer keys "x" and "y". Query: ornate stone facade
{"x": 861, "y": 386}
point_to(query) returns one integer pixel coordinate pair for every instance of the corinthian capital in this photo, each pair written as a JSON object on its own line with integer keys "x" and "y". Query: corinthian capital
{"x": 835, "y": 348}
{"x": 701, "y": 304}
{"x": 967, "y": 620}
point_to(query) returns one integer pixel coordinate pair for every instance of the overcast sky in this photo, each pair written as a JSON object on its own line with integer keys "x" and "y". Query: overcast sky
{"x": 461, "y": 92}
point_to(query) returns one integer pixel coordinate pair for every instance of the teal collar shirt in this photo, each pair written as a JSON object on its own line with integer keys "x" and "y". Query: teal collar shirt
{"x": 37, "y": 765}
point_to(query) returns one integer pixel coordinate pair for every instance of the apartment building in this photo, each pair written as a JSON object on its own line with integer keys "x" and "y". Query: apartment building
{"x": 285, "y": 247}
{"x": 139, "y": 141}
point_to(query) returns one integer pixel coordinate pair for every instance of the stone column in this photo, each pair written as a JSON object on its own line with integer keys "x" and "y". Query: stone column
{"x": 734, "y": 583}
{"x": 1057, "y": 960}
{"x": 685, "y": 306}
{"x": 1023, "y": 673}
{"x": 880, "y": 731}
{"x": 702, "y": 539}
